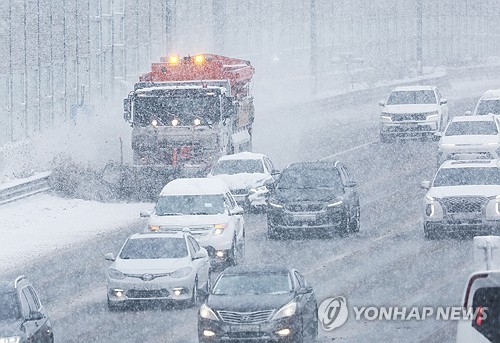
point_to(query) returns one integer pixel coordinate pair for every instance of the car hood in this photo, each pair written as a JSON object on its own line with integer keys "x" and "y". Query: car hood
{"x": 469, "y": 139}
{"x": 482, "y": 190}
{"x": 249, "y": 303}
{"x": 243, "y": 180}
{"x": 187, "y": 220}
{"x": 165, "y": 265}
{"x": 304, "y": 195}
{"x": 9, "y": 328}
{"x": 411, "y": 108}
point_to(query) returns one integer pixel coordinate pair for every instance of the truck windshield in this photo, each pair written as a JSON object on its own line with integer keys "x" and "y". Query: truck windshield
{"x": 412, "y": 97}
{"x": 185, "y": 109}
{"x": 171, "y": 205}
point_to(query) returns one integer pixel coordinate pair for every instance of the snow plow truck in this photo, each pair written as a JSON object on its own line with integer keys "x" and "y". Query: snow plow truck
{"x": 186, "y": 113}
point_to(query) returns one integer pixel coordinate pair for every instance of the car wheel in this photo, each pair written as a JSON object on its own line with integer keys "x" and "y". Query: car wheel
{"x": 355, "y": 222}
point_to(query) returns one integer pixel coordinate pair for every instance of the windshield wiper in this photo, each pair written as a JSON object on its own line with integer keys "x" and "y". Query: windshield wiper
{"x": 200, "y": 213}
{"x": 171, "y": 214}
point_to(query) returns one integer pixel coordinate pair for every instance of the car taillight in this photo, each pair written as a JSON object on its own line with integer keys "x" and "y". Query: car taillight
{"x": 479, "y": 316}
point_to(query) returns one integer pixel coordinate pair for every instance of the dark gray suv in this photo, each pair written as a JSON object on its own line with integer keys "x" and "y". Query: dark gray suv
{"x": 22, "y": 316}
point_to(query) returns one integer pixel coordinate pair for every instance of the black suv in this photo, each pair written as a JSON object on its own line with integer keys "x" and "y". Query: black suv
{"x": 22, "y": 316}
{"x": 314, "y": 196}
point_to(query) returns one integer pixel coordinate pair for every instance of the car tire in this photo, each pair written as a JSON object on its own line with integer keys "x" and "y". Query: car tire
{"x": 355, "y": 223}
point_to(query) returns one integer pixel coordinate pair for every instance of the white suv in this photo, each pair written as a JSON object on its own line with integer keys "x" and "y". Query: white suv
{"x": 208, "y": 209}
{"x": 464, "y": 198}
{"x": 470, "y": 137}
{"x": 413, "y": 111}
{"x": 489, "y": 103}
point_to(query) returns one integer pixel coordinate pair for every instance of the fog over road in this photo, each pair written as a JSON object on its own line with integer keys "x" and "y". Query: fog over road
{"x": 387, "y": 263}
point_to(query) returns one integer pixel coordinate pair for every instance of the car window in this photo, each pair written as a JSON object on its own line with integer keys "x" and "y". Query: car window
{"x": 412, "y": 97}
{"x": 195, "y": 244}
{"x": 192, "y": 250}
{"x": 438, "y": 94}
{"x": 35, "y": 298}
{"x": 300, "y": 279}
{"x": 231, "y": 203}
{"x": 487, "y": 298}
{"x": 31, "y": 301}
{"x": 269, "y": 165}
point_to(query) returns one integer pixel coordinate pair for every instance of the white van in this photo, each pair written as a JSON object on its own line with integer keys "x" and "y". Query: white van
{"x": 489, "y": 103}
{"x": 482, "y": 294}
{"x": 207, "y": 208}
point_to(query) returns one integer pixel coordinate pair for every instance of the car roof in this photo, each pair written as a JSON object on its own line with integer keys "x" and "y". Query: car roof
{"x": 163, "y": 234}
{"x": 471, "y": 164}
{"x": 414, "y": 88}
{"x": 491, "y": 94}
{"x": 488, "y": 117}
{"x": 313, "y": 165}
{"x": 195, "y": 186}
{"x": 243, "y": 156}
{"x": 256, "y": 269}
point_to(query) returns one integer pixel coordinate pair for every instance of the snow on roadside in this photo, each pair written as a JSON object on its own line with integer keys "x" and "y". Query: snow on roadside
{"x": 41, "y": 224}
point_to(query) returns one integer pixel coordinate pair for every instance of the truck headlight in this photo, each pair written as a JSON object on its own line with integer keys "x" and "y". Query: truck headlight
{"x": 116, "y": 274}
{"x": 207, "y": 313}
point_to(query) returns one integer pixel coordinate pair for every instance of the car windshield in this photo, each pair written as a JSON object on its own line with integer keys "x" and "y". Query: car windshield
{"x": 467, "y": 176}
{"x": 253, "y": 283}
{"x": 154, "y": 248}
{"x": 488, "y": 106}
{"x": 190, "y": 204}
{"x": 317, "y": 178}
{"x": 10, "y": 309}
{"x": 459, "y": 128}
{"x": 412, "y": 97}
{"x": 232, "y": 167}
{"x": 488, "y": 298}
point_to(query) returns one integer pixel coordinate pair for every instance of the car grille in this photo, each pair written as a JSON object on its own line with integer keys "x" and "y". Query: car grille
{"x": 305, "y": 207}
{"x": 464, "y": 204}
{"x": 245, "y": 317}
{"x": 147, "y": 294}
{"x": 409, "y": 117}
{"x": 195, "y": 231}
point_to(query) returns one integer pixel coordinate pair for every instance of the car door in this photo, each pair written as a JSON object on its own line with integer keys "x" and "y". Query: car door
{"x": 307, "y": 301}
{"x": 202, "y": 265}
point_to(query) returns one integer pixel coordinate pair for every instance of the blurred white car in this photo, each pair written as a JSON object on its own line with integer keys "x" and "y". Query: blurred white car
{"x": 248, "y": 175}
{"x": 489, "y": 103}
{"x": 464, "y": 198}
{"x": 208, "y": 209}
{"x": 157, "y": 267}
{"x": 470, "y": 137}
{"x": 413, "y": 111}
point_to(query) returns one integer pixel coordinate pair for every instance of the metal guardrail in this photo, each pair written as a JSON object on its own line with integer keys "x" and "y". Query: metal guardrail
{"x": 23, "y": 188}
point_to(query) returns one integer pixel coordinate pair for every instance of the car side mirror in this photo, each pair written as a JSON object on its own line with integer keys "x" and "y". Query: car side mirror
{"x": 145, "y": 214}
{"x": 200, "y": 254}
{"x": 109, "y": 257}
{"x": 425, "y": 185}
{"x": 305, "y": 290}
{"x": 238, "y": 210}
{"x": 351, "y": 184}
{"x": 443, "y": 101}
{"x": 36, "y": 315}
{"x": 381, "y": 103}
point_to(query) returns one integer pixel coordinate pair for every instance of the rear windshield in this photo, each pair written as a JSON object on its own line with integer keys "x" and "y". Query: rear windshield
{"x": 412, "y": 97}
{"x": 488, "y": 106}
{"x": 459, "y": 128}
{"x": 488, "y": 297}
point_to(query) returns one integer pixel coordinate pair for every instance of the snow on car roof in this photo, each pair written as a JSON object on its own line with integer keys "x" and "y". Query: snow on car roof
{"x": 491, "y": 94}
{"x": 413, "y": 88}
{"x": 471, "y": 164}
{"x": 170, "y": 234}
{"x": 243, "y": 156}
{"x": 473, "y": 118}
{"x": 195, "y": 186}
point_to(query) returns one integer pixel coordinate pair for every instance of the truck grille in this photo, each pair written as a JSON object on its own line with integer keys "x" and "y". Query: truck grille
{"x": 305, "y": 207}
{"x": 409, "y": 117}
{"x": 245, "y": 317}
{"x": 464, "y": 204}
{"x": 147, "y": 294}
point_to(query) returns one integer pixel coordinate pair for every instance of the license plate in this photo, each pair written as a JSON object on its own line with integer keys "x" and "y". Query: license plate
{"x": 304, "y": 217}
{"x": 245, "y": 328}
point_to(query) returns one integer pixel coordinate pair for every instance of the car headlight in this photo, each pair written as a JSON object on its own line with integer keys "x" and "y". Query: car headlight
{"x": 116, "y": 274}
{"x": 12, "y": 339}
{"x": 432, "y": 115}
{"x": 275, "y": 204}
{"x": 183, "y": 272}
{"x": 286, "y": 311}
{"x": 335, "y": 203}
{"x": 261, "y": 189}
{"x": 219, "y": 228}
{"x": 207, "y": 313}
{"x": 386, "y": 116}
{"x": 429, "y": 210}
{"x": 154, "y": 227}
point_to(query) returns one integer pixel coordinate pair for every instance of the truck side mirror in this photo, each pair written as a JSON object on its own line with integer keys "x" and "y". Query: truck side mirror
{"x": 127, "y": 109}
